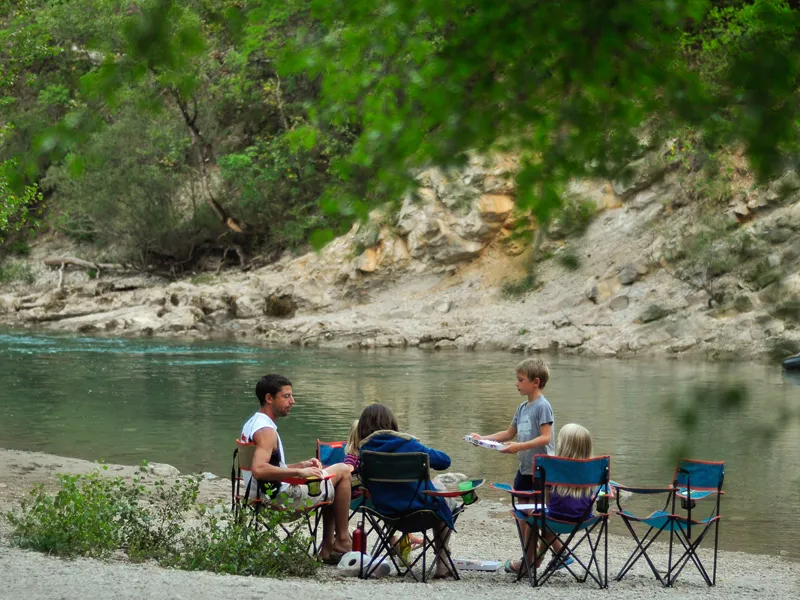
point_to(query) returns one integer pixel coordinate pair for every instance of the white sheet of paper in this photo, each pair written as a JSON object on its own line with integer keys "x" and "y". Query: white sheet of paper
{"x": 529, "y": 507}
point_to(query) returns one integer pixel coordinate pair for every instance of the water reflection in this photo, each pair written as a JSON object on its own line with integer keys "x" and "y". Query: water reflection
{"x": 125, "y": 400}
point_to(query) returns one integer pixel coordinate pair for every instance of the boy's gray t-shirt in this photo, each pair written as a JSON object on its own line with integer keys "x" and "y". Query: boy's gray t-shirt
{"x": 528, "y": 419}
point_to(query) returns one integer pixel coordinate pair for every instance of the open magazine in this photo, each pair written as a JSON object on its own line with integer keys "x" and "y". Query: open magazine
{"x": 491, "y": 444}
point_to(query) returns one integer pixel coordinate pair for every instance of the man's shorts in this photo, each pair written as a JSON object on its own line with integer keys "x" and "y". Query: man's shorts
{"x": 298, "y": 496}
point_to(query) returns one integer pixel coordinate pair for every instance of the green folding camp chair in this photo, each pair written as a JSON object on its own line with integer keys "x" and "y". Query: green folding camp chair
{"x": 386, "y": 476}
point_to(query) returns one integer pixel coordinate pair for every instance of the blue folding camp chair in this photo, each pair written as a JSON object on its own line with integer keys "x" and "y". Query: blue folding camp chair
{"x": 330, "y": 453}
{"x": 591, "y": 473}
{"x": 693, "y": 480}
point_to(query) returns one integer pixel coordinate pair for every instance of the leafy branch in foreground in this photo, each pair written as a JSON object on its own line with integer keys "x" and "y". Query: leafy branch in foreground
{"x": 575, "y": 88}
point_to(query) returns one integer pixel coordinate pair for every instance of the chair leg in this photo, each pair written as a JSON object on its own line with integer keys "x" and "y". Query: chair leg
{"x": 690, "y": 553}
{"x": 642, "y": 546}
{"x": 380, "y": 550}
{"x": 532, "y": 537}
{"x": 569, "y": 549}
{"x": 605, "y": 553}
{"x": 313, "y": 529}
{"x": 716, "y": 545}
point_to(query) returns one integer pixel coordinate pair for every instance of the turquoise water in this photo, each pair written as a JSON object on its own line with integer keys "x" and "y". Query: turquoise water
{"x": 127, "y": 400}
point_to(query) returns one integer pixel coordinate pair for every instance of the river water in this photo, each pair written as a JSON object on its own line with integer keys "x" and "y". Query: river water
{"x": 125, "y": 401}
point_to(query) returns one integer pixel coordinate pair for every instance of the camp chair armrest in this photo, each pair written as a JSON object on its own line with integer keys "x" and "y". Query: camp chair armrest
{"x": 302, "y": 481}
{"x": 476, "y": 483}
{"x": 504, "y": 487}
{"x": 643, "y": 490}
{"x": 445, "y": 493}
{"x": 697, "y": 494}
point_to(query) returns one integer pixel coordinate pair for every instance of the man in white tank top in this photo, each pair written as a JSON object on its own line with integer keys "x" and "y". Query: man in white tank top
{"x": 274, "y": 393}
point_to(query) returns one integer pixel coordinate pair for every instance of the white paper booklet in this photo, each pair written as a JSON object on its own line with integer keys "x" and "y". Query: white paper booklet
{"x": 491, "y": 444}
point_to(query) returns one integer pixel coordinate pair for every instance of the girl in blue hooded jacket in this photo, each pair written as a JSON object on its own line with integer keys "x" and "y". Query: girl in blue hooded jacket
{"x": 378, "y": 431}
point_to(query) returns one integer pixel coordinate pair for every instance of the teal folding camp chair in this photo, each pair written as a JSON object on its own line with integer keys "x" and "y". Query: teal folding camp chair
{"x": 387, "y": 474}
{"x": 330, "y": 453}
{"x": 693, "y": 480}
{"x": 249, "y": 496}
{"x": 591, "y": 529}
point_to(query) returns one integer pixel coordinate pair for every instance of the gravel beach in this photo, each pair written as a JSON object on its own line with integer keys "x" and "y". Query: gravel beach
{"x": 485, "y": 531}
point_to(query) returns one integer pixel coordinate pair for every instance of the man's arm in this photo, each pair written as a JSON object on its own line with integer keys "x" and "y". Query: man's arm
{"x": 500, "y": 436}
{"x": 311, "y": 462}
{"x": 266, "y": 440}
{"x": 545, "y": 430}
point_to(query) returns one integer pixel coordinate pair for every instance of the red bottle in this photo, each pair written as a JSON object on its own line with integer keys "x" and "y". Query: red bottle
{"x": 360, "y": 539}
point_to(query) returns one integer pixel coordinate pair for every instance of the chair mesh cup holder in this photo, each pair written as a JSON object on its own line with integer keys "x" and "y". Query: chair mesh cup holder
{"x": 688, "y": 503}
{"x": 469, "y": 498}
{"x": 603, "y": 504}
{"x": 314, "y": 487}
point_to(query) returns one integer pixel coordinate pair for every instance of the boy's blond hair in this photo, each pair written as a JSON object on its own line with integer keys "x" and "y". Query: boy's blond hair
{"x": 574, "y": 441}
{"x": 533, "y": 368}
{"x": 352, "y": 439}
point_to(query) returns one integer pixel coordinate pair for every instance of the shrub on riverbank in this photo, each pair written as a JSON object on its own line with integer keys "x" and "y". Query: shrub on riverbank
{"x": 97, "y": 516}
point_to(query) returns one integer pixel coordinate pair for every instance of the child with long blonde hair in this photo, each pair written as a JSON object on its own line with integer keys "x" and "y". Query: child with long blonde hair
{"x": 565, "y": 503}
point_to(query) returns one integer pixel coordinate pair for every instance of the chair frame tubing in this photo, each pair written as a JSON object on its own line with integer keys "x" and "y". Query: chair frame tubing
{"x": 386, "y": 529}
{"x": 677, "y": 530}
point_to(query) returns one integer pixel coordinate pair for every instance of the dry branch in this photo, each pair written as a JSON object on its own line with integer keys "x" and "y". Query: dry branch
{"x": 83, "y": 264}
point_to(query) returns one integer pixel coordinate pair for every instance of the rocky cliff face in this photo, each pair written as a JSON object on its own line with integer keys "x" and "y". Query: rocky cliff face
{"x": 656, "y": 272}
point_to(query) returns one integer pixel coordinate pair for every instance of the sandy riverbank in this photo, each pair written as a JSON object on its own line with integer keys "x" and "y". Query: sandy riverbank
{"x": 483, "y": 532}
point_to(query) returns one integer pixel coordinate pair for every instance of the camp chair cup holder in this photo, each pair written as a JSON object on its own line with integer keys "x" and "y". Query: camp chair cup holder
{"x": 688, "y": 503}
{"x": 469, "y": 497}
{"x": 314, "y": 486}
{"x": 602, "y": 504}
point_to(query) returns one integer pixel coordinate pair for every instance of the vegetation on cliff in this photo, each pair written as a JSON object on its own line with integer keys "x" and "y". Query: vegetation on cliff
{"x": 165, "y": 130}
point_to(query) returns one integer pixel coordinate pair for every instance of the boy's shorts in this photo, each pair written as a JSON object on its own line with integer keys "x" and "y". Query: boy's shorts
{"x": 523, "y": 483}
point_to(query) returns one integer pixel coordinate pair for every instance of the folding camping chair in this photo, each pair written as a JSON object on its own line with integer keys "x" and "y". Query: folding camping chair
{"x": 330, "y": 453}
{"x": 591, "y": 473}
{"x": 388, "y": 469}
{"x": 693, "y": 480}
{"x": 256, "y": 495}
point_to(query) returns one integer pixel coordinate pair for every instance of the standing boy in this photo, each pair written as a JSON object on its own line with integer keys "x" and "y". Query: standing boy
{"x": 533, "y": 426}
{"x": 533, "y": 423}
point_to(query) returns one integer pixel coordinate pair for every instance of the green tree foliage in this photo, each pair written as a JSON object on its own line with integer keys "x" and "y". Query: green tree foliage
{"x": 573, "y": 87}
{"x": 159, "y": 126}
{"x": 309, "y": 112}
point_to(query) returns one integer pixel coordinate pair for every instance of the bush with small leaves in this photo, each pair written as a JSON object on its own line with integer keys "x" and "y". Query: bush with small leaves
{"x": 224, "y": 545}
{"x": 96, "y": 515}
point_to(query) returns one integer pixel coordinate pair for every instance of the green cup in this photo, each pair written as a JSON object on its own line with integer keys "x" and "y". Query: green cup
{"x": 314, "y": 488}
{"x": 469, "y": 498}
